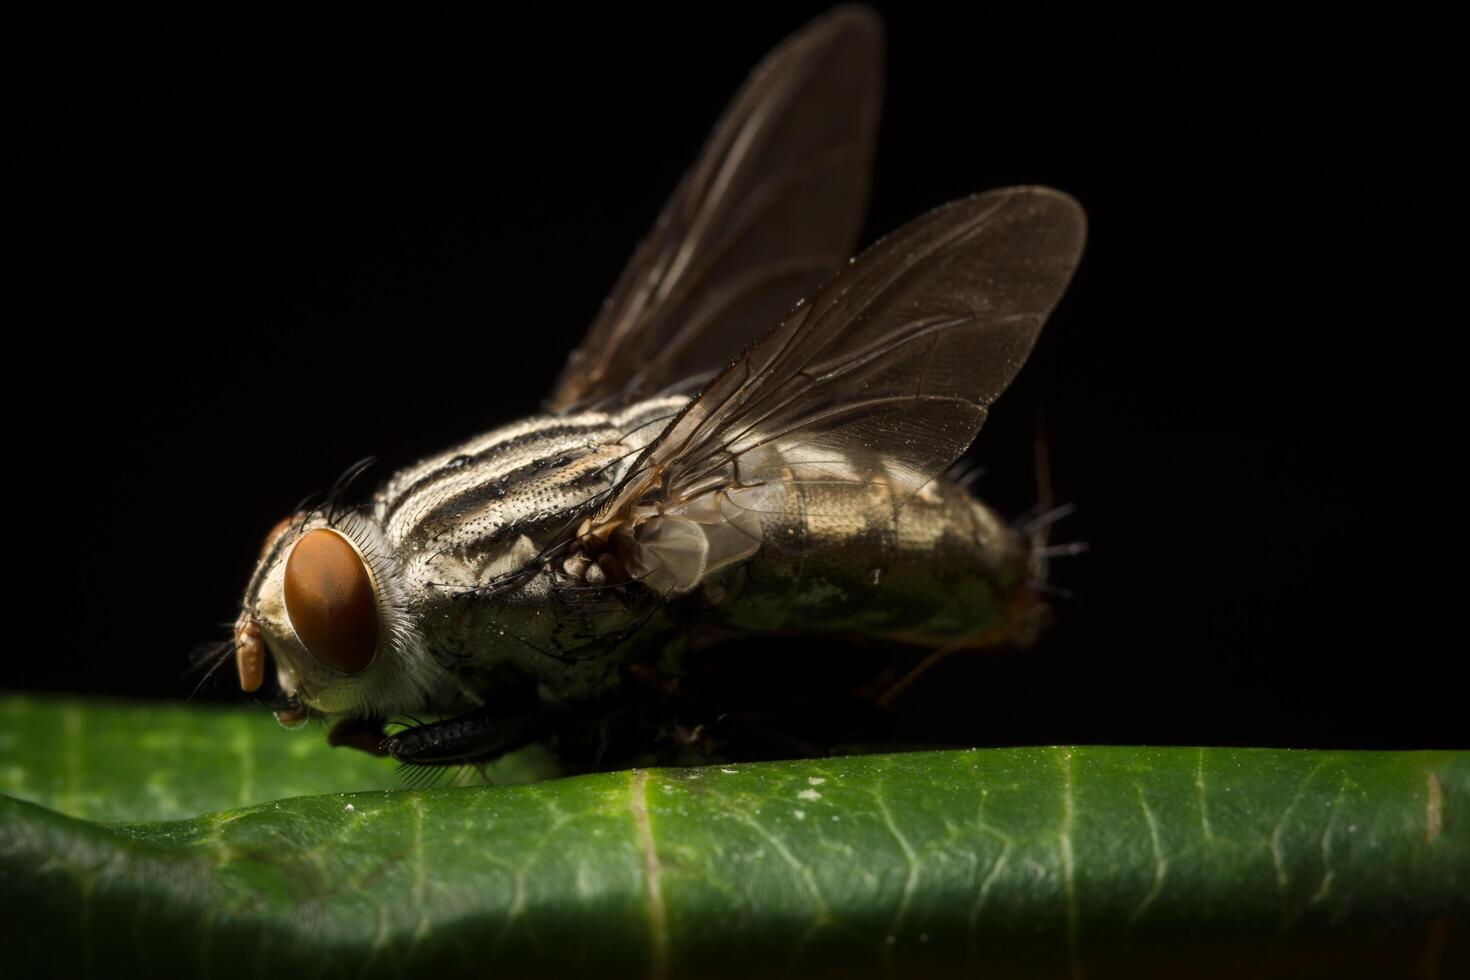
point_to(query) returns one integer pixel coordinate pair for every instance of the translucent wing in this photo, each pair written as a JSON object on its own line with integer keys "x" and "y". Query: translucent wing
{"x": 883, "y": 378}
{"x": 772, "y": 209}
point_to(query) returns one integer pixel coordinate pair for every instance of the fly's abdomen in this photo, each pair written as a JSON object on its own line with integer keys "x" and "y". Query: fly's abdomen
{"x": 938, "y": 569}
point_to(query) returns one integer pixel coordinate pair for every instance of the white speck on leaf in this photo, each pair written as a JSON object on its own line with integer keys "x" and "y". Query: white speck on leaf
{"x": 809, "y": 794}
{"x": 816, "y": 780}
{"x": 799, "y": 814}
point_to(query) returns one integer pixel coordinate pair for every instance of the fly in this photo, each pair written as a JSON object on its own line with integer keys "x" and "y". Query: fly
{"x": 754, "y": 437}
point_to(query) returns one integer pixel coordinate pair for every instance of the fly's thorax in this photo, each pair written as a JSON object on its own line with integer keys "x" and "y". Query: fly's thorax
{"x": 547, "y": 627}
{"x": 515, "y": 480}
{"x": 478, "y": 535}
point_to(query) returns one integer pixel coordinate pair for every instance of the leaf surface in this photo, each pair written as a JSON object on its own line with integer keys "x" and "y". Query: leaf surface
{"x": 1069, "y": 862}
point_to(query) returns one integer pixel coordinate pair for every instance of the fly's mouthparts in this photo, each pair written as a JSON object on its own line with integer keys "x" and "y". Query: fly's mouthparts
{"x": 293, "y": 715}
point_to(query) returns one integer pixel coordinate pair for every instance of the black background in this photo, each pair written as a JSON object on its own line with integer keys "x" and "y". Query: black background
{"x": 265, "y": 246}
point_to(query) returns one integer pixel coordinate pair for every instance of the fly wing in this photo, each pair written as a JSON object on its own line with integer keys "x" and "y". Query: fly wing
{"x": 772, "y": 209}
{"x": 900, "y": 357}
{"x": 883, "y": 378}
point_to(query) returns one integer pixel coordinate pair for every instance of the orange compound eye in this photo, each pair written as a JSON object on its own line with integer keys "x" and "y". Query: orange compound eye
{"x": 331, "y": 601}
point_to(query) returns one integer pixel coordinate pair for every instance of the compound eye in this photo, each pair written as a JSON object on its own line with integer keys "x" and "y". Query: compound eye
{"x": 331, "y": 601}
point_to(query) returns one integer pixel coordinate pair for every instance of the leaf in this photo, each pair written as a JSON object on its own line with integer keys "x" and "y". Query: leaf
{"x": 115, "y": 760}
{"x": 1088, "y": 861}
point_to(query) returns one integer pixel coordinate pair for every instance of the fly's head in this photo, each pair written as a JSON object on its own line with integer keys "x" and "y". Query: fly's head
{"x": 327, "y": 613}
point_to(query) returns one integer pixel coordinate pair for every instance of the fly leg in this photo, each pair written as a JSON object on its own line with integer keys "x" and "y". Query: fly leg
{"x": 477, "y": 736}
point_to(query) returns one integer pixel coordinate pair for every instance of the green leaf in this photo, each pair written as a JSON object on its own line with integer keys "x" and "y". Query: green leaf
{"x": 127, "y": 761}
{"x": 1088, "y": 861}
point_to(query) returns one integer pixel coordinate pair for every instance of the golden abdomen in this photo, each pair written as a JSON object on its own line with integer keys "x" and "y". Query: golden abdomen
{"x": 938, "y": 569}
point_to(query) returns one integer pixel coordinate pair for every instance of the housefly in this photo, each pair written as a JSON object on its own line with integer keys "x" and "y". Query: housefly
{"x": 752, "y": 438}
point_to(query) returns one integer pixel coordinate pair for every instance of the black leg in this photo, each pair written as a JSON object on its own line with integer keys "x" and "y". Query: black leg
{"x": 480, "y": 735}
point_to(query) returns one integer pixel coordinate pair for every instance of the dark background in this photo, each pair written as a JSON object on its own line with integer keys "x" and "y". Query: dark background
{"x": 264, "y": 246}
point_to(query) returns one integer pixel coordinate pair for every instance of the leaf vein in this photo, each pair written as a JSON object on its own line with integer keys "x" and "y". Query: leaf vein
{"x": 652, "y": 870}
{"x": 1161, "y": 860}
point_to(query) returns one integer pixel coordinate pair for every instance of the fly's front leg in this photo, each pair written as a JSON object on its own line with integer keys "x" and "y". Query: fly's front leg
{"x": 475, "y": 736}
{"x": 481, "y": 735}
